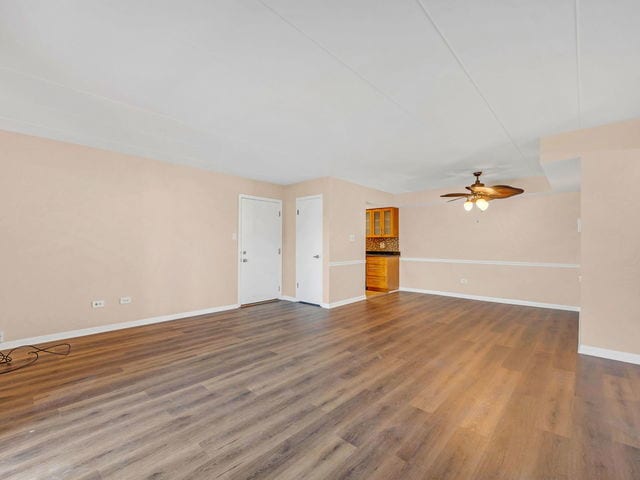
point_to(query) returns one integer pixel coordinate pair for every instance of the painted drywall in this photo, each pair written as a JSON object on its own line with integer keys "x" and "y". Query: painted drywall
{"x": 610, "y": 240}
{"x": 344, "y": 204}
{"x": 79, "y": 224}
{"x": 611, "y": 248}
{"x": 524, "y": 248}
{"x": 318, "y": 186}
{"x": 347, "y": 203}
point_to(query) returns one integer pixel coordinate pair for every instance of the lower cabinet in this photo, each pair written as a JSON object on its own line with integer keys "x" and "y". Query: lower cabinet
{"x": 383, "y": 272}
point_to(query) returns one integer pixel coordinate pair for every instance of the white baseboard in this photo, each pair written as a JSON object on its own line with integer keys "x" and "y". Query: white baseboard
{"x": 509, "y": 301}
{"x": 54, "y": 337}
{"x": 610, "y": 354}
{"x": 287, "y": 298}
{"x": 346, "y": 301}
{"x": 339, "y": 303}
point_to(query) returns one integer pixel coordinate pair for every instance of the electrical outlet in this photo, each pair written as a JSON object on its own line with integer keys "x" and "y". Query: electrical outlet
{"x": 125, "y": 300}
{"x": 352, "y": 237}
{"x": 463, "y": 280}
{"x": 97, "y": 303}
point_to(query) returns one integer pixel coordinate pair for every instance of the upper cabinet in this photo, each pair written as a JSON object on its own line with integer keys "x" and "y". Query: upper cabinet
{"x": 382, "y": 222}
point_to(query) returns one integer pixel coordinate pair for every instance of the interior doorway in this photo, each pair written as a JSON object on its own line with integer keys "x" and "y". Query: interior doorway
{"x": 309, "y": 262}
{"x": 260, "y": 249}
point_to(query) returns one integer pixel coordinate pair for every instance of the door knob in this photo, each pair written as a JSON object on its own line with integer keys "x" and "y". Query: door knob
{"x": 244, "y": 260}
{"x": 316, "y": 256}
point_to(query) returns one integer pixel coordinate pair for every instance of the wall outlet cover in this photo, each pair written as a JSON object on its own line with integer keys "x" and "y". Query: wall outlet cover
{"x": 125, "y": 300}
{"x": 97, "y": 303}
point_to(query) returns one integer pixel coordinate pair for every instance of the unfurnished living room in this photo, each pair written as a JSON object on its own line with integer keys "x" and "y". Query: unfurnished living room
{"x": 319, "y": 239}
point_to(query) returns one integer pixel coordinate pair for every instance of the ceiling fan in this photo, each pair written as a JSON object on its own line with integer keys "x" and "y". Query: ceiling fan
{"x": 480, "y": 195}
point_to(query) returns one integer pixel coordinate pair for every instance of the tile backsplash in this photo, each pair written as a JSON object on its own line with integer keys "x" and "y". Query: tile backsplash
{"x": 391, "y": 244}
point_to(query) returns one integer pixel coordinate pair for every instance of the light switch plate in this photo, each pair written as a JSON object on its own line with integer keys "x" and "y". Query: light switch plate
{"x": 125, "y": 300}
{"x": 97, "y": 303}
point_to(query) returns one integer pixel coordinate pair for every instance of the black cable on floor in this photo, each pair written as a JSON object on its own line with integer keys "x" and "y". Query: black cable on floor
{"x": 7, "y": 363}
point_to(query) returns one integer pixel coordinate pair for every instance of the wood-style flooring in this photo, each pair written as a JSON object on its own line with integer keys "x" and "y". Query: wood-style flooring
{"x": 402, "y": 386}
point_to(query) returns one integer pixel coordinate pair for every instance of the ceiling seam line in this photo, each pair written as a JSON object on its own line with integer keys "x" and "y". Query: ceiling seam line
{"x": 362, "y": 78}
{"x": 69, "y": 133}
{"x": 578, "y": 64}
{"x": 469, "y": 77}
{"x": 93, "y": 94}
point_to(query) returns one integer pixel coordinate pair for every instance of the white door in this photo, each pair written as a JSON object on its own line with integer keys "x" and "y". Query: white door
{"x": 260, "y": 248}
{"x": 309, "y": 249}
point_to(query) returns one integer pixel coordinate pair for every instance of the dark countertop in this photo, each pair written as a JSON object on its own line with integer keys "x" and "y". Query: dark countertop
{"x": 383, "y": 254}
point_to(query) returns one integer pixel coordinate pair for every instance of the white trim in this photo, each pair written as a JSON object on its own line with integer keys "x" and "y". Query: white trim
{"x": 610, "y": 354}
{"x": 509, "y": 301}
{"x": 264, "y": 199}
{"x": 491, "y": 262}
{"x": 287, "y": 298}
{"x": 239, "y": 236}
{"x": 347, "y": 262}
{"x": 310, "y": 197}
{"x": 346, "y": 301}
{"x": 113, "y": 326}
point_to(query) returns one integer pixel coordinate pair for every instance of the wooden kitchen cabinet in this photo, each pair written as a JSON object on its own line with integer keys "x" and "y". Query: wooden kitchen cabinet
{"x": 383, "y": 272}
{"x": 382, "y": 222}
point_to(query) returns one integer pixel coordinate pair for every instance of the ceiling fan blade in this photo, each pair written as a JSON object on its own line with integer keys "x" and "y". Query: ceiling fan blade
{"x": 455, "y": 199}
{"x": 498, "y": 191}
{"x": 455, "y": 195}
{"x": 508, "y": 188}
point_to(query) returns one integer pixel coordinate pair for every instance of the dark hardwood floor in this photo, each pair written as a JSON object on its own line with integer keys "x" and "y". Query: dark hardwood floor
{"x": 402, "y": 386}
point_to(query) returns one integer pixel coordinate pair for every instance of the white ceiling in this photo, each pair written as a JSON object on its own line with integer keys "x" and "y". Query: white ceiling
{"x": 401, "y": 95}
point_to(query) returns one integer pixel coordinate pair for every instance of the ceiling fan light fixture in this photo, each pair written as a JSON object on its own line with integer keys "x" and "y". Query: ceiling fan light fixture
{"x": 482, "y": 204}
{"x": 480, "y": 194}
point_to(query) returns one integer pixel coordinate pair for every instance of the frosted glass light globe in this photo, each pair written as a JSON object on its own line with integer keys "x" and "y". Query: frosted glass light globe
{"x": 482, "y": 204}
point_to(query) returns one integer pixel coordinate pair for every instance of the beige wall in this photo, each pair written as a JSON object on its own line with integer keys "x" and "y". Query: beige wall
{"x": 533, "y": 228}
{"x": 610, "y": 315}
{"x": 320, "y": 186}
{"x": 344, "y": 204}
{"x": 347, "y": 204}
{"x": 610, "y": 243}
{"x": 78, "y": 224}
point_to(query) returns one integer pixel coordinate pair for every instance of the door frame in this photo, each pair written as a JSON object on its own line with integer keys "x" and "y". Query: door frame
{"x": 244, "y": 196}
{"x": 311, "y": 197}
